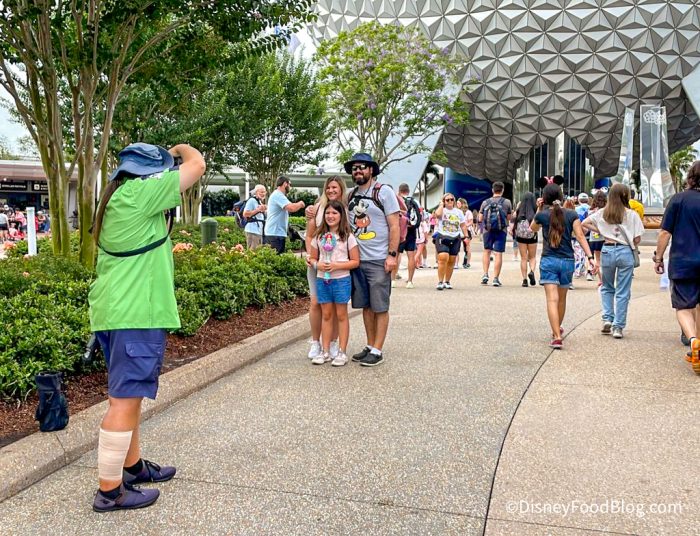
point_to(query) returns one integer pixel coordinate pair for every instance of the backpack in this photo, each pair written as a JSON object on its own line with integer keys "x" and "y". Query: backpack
{"x": 52, "y": 411}
{"x": 403, "y": 220}
{"x": 412, "y": 213}
{"x": 495, "y": 217}
{"x": 242, "y": 221}
{"x": 522, "y": 229}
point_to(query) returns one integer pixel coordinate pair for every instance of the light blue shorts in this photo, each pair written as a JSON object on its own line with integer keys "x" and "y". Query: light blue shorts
{"x": 333, "y": 290}
{"x": 556, "y": 271}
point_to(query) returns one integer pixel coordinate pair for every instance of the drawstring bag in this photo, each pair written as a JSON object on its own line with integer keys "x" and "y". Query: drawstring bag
{"x": 52, "y": 412}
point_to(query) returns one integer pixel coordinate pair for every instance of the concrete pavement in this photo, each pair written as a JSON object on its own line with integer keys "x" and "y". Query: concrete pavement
{"x": 471, "y": 414}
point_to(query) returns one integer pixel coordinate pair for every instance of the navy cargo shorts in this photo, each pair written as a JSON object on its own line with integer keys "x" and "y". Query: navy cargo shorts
{"x": 134, "y": 358}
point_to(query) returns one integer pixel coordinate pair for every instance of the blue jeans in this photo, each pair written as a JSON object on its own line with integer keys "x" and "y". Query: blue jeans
{"x": 617, "y": 268}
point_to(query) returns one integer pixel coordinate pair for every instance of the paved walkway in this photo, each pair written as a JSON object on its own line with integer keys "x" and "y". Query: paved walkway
{"x": 473, "y": 425}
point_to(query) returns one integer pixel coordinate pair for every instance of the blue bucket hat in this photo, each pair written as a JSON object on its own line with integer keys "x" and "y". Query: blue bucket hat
{"x": 142, "y": 159}
{"x": 361, "y": 158}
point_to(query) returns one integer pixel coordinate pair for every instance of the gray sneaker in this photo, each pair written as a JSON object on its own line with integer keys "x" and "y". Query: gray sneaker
{"x": 129, "y": 498}
{"x": 496, "y": 282}
{"x": 607, "y": 328}
{"x": 617, "y": 332}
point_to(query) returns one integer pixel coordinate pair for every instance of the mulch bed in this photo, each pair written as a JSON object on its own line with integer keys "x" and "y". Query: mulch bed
{"x": 17, "y": 420}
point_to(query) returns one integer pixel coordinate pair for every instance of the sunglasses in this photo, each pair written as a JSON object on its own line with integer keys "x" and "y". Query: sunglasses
{"x": 359, "y": 167}
{"x": 448, "y": 199}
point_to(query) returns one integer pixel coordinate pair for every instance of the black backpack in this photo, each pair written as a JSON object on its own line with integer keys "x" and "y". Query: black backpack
{"x": 412, "y": 213}
{"x": 52, "y": 412}
{"x": 242, "y": 221}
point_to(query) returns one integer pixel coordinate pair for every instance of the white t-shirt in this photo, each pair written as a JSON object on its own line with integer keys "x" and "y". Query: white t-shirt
{"x": 3, "y": 219}
{"x": 449, "y": 224}
{"x": 630, "y": 228}
{"x": 340, "y": 253}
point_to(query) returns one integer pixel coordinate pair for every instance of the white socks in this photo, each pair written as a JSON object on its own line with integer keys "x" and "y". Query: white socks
{"x": 111, "y": 453}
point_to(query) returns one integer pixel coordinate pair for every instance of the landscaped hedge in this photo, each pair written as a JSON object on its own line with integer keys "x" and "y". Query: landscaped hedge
{"x": 44, "y": 315}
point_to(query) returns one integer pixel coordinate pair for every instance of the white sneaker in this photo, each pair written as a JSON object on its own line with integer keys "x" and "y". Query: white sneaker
{"x": 315, "y": 350}
{"x": 321, "y": 359}
{"x": 589, "y": 276}
{"x": 334, "y": 349}
{"x": 393, "y": 283}
{"x": 447, "y": 285}
{"x": 440, "y": 286}
{"x": 339, "y": 360}
{"x": 409, "y": 284}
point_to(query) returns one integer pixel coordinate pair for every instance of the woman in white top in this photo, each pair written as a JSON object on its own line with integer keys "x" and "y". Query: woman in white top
{"x": 621, "y": 229}
{"x": 469, "y": 221}
{"x": 333, "y": 190}
{"x": 450, "y": 220}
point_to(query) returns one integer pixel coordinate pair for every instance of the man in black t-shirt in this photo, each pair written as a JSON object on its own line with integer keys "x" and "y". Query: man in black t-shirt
{"x": 682, "y": 222}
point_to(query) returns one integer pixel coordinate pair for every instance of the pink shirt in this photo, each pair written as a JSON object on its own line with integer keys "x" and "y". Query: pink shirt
{"x": 341, "y": 253}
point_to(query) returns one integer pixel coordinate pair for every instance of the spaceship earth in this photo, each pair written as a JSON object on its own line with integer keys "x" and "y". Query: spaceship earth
{"x": 546, "y": 66}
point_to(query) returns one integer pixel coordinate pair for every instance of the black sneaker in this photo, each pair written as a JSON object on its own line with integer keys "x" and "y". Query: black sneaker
{"x": 685, "y": 341}
{"x": 359, "y": 356}
{"x": 130, "y": 498}
{"x": 372, "y": 360}
{"x": 531, "y": 276}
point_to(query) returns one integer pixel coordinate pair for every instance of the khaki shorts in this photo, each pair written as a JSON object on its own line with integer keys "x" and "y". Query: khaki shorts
{"x": 253, "y": 240}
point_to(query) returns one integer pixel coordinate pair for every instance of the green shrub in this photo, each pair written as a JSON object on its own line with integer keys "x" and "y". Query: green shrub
{"x": 44, "y": 314}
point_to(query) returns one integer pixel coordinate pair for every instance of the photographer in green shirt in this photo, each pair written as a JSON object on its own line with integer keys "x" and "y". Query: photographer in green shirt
{"x": 132, "y": 304}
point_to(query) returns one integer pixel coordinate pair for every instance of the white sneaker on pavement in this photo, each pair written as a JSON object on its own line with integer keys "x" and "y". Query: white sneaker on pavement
{"x": 409, "y": 284}
{"x": 315, "y": 349}
{"x": 339, "y": 360}
{"x": 321, "y": 359}
{"x": 334, "y": 349}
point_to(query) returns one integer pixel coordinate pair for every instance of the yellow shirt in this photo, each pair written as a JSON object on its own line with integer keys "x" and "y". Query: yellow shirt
{"x": 637, "y": 207}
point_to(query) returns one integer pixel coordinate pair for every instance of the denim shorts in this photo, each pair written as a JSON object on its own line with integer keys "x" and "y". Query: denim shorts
{"x": 134, "y": 358}
{"x": 495, "y": 240}
{"x": 556, "y": 271}
{"x": 333, "y": 290}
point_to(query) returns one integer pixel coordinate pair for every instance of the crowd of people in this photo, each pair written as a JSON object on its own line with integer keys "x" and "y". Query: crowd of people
{"x": 13, "y": 223}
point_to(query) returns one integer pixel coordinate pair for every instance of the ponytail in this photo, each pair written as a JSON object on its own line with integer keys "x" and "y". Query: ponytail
{"x": 556, "y": 224}
{"x": 99, "y": 216}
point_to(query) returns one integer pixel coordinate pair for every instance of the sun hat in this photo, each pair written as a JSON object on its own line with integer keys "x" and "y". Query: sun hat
{"x": 142, "y": 159}
{"x": 361, "y": 158}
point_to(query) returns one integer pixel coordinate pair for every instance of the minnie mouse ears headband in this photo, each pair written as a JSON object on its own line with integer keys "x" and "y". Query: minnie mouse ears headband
{"x": 544, "y": 181}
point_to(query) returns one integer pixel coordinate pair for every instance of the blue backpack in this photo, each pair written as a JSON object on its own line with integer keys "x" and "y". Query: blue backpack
{"x": 242, "y": 221}
{"x": 495, "y": 217}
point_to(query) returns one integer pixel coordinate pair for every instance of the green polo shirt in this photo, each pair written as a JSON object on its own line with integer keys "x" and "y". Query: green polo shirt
{"x": 136, "y": 292}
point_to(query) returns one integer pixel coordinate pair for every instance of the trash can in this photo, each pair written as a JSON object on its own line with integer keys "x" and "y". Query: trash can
{"x": 209, "y": 230}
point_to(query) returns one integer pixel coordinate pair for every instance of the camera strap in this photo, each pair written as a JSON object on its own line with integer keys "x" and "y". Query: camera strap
{"x": 147, "y": 247}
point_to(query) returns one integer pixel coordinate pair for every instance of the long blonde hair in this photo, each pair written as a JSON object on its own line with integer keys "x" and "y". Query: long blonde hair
{"x": 323, "y": 198}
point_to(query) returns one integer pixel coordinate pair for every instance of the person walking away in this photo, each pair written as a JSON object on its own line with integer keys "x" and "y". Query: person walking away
{"x": 558, "y": 226}
{"x": 278, "y": 209}
{"x": 254, "y": 213}
{"x": 621, "y": 229}
{"x": 447, "y": 242}
{"x": 409, "y": 245}
{"x": 525, "y": 237}
{"x": 334, "y": 253}
{"x": 333, "y": 190}
{"x": 374, "y": 218}
{"x": 421, "y": 241}
{"x": 682, "y": 222}
{"x": 132, "y": 304}
{"x": 595, "y": 239}
{"x": 495, "y": 214}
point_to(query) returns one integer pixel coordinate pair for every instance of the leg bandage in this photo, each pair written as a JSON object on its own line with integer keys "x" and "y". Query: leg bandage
{"x": 111, "y": 453}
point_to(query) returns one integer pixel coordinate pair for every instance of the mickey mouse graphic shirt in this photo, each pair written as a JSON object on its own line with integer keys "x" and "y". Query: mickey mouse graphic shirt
{"x": 368, "y": 221}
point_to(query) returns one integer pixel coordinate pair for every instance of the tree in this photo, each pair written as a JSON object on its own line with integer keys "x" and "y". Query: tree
{"x": 6, "y": 150}
{"x": 679, "y": 162}
{"x": 389, "y": 90}
{"x": 276, "y": 117}
{"x": 81, "y": 54}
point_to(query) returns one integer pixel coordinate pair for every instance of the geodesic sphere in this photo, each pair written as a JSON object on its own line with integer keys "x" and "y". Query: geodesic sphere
{"x": 545, "y": 66}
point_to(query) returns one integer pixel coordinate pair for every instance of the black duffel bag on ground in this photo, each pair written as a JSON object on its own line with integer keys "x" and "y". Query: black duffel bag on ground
{"x": 52, "y": 412}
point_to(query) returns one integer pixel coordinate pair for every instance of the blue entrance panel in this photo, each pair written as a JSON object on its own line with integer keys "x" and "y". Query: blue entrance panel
{"x": 474, "y": 190}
